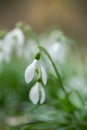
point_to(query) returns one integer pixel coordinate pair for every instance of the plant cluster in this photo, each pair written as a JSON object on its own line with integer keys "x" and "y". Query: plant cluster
{"x": 42, "y": 81}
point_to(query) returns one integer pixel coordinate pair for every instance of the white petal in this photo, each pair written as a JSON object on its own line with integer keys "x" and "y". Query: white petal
{"x": 9, "y": 38}
{"x": 29, "y": 72}
{"x": 34, "y": 93}
{"x": 19, "y": 34}
{"x": 44, "y": 75}
{"x": 43, "y": 95}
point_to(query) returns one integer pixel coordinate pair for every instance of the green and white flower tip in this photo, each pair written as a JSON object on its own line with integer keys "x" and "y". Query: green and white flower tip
{"x": 37, "y": 94}
{"x": 35, "y": 68}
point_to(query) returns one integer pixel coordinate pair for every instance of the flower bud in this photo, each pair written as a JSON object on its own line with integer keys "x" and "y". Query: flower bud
{"x": 37, "y": 56}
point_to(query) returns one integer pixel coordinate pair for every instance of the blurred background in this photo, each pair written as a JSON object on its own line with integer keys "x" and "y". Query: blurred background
{"x": 57, "y": 23}
{"x": 68, "y": 15}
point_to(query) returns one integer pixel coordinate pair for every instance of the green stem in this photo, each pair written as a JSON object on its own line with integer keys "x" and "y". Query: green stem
{"x": 54, "y": 66}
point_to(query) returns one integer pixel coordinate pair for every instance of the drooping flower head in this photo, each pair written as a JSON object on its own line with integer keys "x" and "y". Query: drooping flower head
{"x": 35, "y": 68}
{"x": 14, "y": 38}
{"x": 37, "y": 93}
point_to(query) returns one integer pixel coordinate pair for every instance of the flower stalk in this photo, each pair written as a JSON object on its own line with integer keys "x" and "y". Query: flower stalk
{"x": 58, "y": 75}
{"x": 56, "y": 70}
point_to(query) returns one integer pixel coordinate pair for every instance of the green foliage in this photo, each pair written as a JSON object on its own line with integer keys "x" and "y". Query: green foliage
{"x": 65, "y": 107}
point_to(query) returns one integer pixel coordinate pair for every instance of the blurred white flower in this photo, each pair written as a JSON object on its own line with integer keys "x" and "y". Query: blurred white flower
{"x": 78, "y": 83}
{"x": 57, "y": 51}
{"x": 3, "y": 55}
{"x": 35, "y": 68}
{"x": 56, "y": 45}
{"x": 37, "y": 94}
{"x": 14, "y": 38}
{"x": 30, "y": 49}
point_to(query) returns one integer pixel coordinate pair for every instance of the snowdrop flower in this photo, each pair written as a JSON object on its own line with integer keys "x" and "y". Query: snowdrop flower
{"x": 14, "y": 38}
{"x": 3, "y": 55}
{"x": 56, "y": 44}
{"x": 35, "y": 68}
{"x": 58, "y": 51}
{"x": 1, "y": 52}
{"x": 37, "y": 93}
{"x": 78, "y": 83}
{"x": 16, "y": 35}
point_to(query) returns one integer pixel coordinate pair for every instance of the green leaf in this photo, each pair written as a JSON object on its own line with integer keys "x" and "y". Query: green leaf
{"x": 40, "y": 126}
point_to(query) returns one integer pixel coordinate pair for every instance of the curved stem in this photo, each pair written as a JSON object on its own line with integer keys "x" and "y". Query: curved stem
{"x": 57, "y": 73}
{"x": 54, "y": 66}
